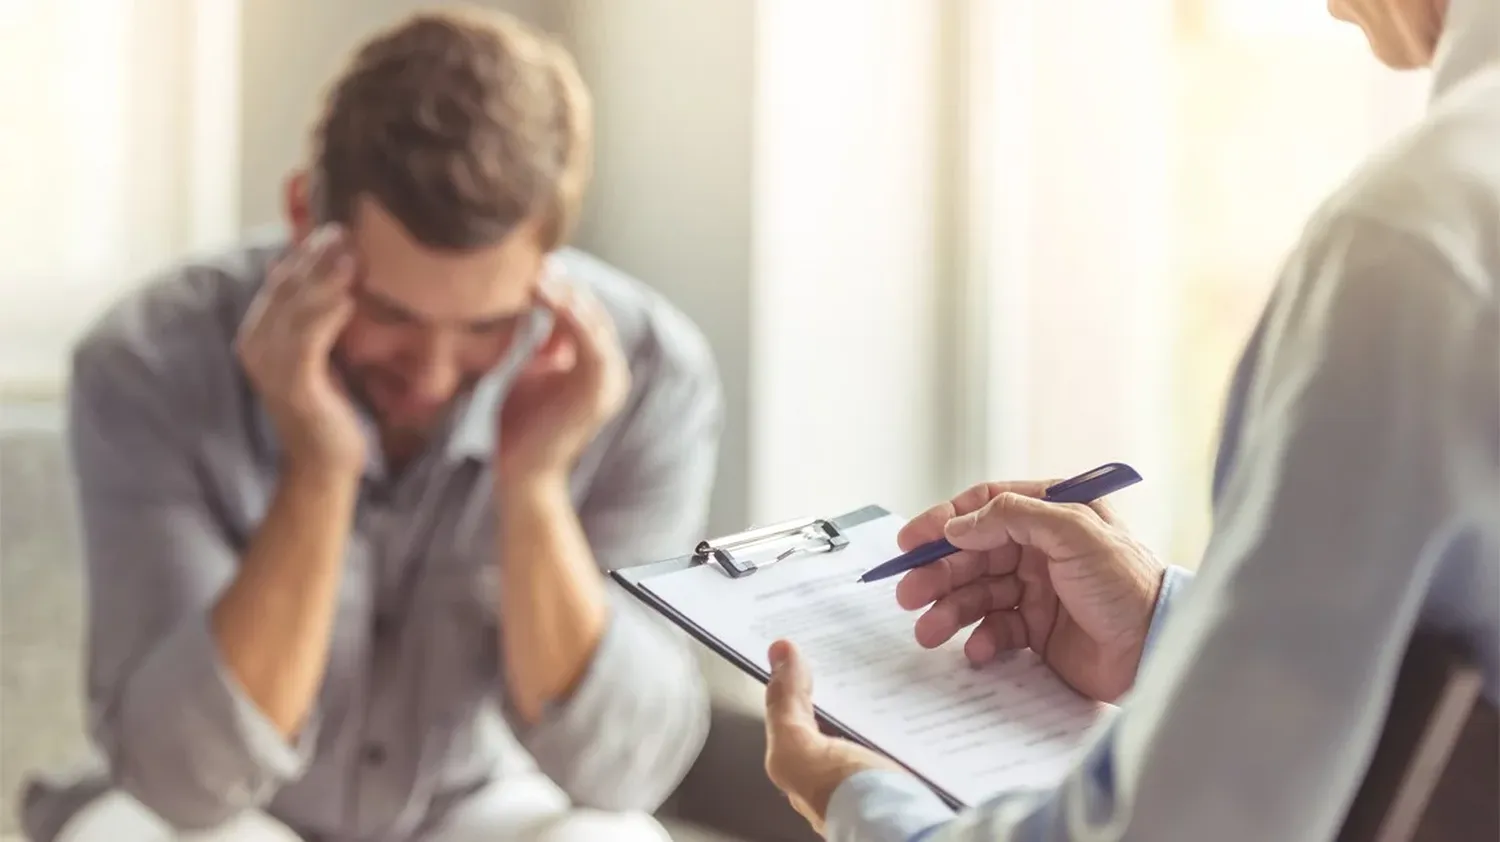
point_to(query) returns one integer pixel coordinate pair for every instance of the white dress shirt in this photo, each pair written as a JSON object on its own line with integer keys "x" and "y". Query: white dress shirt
{"x": 1357, "y": 498}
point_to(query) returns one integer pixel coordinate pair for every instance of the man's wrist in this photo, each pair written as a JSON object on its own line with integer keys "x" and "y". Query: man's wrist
{"x": 307, "y": 476}
{"x": 533, "y": 485}
{"x": 532, "y": 493}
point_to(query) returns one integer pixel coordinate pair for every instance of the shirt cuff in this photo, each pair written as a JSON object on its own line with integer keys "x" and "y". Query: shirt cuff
{"x": 186, "y": 710}
{"x": 880, "y": 805}
{"x": 1174, "y": 586}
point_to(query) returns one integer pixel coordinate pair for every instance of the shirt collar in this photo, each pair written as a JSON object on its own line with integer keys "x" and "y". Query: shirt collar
{"x": 1470, "y": 42}
{"x": 472, "y": 434}
{"x": 474, "y": 431}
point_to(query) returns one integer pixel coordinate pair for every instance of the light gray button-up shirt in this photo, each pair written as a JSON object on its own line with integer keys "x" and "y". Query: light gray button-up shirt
{"x": 175, "y": 466}
{"x": 1357, "y": 498}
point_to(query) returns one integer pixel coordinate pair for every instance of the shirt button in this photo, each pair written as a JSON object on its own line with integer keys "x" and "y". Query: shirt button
{"x": 373, "y": 754}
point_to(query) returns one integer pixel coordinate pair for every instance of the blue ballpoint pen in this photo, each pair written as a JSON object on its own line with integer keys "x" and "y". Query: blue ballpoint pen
{"x": 1084, "y": 488}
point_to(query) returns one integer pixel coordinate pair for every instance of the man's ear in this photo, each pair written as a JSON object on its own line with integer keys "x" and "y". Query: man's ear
{"x": 297, "y": 205}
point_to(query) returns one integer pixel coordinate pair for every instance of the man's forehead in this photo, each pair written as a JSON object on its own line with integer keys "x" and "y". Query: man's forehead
{"x": 486, "y": 282}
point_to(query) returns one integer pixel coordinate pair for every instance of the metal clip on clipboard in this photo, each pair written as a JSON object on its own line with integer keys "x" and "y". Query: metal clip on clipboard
{"x": 822, "y": 535}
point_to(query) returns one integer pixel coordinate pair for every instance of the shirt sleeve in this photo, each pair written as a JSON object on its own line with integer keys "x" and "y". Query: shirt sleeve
{"x": 179, "y": 733}
{"x": 1365, "y": 445}
{"x": 632, "y": 728}
{"x": 1174, "y": 587}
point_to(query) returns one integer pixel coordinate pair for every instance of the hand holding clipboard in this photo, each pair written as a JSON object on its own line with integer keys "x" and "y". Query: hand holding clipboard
{"x": 798, "y": 581}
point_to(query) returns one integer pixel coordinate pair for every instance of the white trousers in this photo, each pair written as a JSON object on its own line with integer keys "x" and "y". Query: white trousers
{"x": 526, "y": 809}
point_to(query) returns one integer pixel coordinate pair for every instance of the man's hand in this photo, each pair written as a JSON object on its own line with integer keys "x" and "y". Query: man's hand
{"x": 285, "y": 342}
{"x": 802, "y": 761}
{"x": 273, "y": 623}
{"x": 553, "y": 604}
{"x": 1065, "y": 580}
{"x": 575, "y": 383}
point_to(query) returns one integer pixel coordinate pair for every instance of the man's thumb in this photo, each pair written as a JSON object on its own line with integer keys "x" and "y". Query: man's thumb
{"x": 1056, "y": 529}
{"x": 996, "y": 523}
{"x": 789, "y": 692}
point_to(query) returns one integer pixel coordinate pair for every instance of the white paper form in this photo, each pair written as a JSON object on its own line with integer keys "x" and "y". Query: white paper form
{"x": 972, "y": 732}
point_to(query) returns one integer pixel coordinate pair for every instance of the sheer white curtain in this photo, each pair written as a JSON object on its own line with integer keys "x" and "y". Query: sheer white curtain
{"x": 1136, "y": 171}
{"x": 119, "y": 154}
{"x": 1068, "y": 142}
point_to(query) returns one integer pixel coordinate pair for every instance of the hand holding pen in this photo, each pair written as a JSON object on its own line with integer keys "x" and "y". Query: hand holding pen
{"x": 1084, "y": 488}
{"x": 1031, "y": 567}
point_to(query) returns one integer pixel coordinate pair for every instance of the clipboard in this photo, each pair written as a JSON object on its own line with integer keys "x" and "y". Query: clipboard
{"x": 817, "y": 536}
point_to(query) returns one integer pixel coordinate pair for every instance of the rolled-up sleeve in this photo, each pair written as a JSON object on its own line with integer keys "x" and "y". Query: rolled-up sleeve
{"x": 627, "y": 735}
{"x": 179, "y": 733}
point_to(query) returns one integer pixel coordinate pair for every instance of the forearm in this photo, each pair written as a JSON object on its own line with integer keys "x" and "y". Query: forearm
{"x": 272, "y": 624}
{"x": 552, "y": 604}
{"x": 612, "y": 704}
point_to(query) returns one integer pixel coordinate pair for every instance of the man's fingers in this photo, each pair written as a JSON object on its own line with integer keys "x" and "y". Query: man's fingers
{"x": 930, "y": 525}
{"x": 322, "y": 306}
{"x": 1107, "y": 512}
{"x": 1058, "y": 530}
{"x": 334, "y": 279}
{"x": 965, "y": 607}
{"x": 557, "y": 353}
{"x": 999, "y": 631}
{"x": 593, "y": 329}
{"x": 581, "y": 317}
{"x": 789, "y": 702}
{"x": 925, "y": 527}
{"x": 304, "y": 261}
{"x": 295, "y": 287}
{"x": 928, "y": 584}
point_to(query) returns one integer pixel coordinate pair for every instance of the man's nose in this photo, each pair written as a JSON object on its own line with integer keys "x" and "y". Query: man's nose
{"x": 438, "y": 372}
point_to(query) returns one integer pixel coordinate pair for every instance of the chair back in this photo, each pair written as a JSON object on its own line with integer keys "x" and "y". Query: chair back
{"x": 1435, "y": 775}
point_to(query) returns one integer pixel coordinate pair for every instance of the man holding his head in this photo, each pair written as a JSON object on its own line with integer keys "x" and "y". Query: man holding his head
{"x": 1357, "y": 500}
{"x": 346, "y": 498}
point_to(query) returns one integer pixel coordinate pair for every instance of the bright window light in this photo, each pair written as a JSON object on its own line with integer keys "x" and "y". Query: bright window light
{"x": 1250, "y": 18}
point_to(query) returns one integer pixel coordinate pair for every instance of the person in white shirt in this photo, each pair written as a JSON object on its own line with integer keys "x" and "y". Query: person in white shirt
{"x": 1357, "y": 499}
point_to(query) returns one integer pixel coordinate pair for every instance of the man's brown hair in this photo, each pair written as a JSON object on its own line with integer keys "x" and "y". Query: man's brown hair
{"x": 463, "y": 124}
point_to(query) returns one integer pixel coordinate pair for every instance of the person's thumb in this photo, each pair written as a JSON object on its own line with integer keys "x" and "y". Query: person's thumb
{"x": 1016, "y": 518}
{"x": 789, "y": 692}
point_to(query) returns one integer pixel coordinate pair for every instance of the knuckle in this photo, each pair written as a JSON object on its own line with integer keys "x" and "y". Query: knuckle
{"x": 1081, "y": 513}
{"x": 1009, "y": 502}
{"x": 1071, "y": 515}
